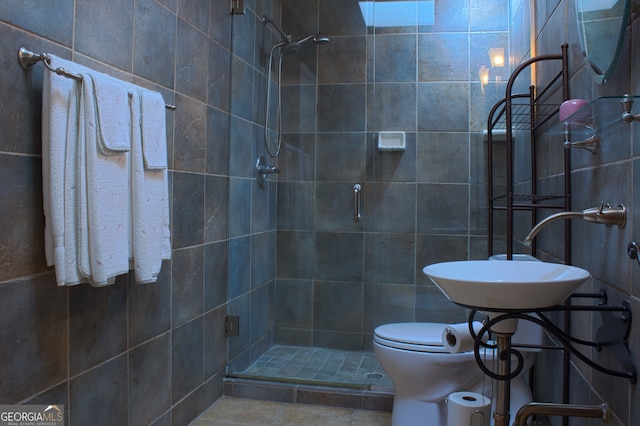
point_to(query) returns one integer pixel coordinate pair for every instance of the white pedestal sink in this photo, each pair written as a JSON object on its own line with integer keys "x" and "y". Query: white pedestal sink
{"x": 496, "y": 287}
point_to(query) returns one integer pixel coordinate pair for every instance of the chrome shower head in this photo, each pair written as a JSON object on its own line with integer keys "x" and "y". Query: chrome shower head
{"x": 292, "y": 46}
{"x": 320, "y": 39}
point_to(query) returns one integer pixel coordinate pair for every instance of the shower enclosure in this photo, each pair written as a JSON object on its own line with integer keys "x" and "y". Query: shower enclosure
{"x": 305, "y": 276}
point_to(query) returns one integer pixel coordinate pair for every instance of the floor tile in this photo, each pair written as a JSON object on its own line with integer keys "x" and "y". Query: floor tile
{"x": 300, "y": 414}
{"x": 241, "y": 412}
{"x": 229, "y": 411}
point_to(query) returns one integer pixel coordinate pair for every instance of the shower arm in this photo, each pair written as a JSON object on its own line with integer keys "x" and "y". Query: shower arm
{"x": 284, "y": 35}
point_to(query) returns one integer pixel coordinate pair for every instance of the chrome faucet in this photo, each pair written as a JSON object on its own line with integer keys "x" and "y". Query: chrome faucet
{"x": 263, "y": 169}
{"x": 604, "y": 214}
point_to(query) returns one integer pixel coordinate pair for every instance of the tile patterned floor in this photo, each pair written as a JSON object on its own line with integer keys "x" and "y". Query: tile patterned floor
{"x": 249, "y": 412}
{"x": 319, "y": 365}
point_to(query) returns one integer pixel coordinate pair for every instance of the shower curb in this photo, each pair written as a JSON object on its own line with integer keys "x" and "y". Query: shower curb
{"x": 381, "y": 400}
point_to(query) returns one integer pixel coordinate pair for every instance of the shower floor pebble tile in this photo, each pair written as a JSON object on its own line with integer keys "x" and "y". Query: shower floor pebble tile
{"x": 319, "y": 365}
{"x": 249, "y": 412}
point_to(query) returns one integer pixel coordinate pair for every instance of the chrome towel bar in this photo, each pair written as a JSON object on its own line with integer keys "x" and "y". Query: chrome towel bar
{"x": 27, "y": 58}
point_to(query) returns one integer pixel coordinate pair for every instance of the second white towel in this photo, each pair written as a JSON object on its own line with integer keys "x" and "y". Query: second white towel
{"x": 105, "y": 203}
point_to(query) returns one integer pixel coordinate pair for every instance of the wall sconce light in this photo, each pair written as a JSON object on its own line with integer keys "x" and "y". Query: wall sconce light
{"x": 496, "y": 55}
{"x": 484, "y": 76}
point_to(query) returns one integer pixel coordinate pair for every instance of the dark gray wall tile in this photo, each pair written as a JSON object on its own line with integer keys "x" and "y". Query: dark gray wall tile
{"x": 188, "y": 210}
{"x": 390, "y": 207}
{"x": 295, "y": 253}
{"x": 187, "y": 363}
{"x": 395, "y": 58}
{"x": 216, "y": 274}
{"x": 338, "y": 256}
{"x": 394, "y": 107}
{"x": 241, "y": 88}
{"x": 99, "y": 395}
{"x": 293, "y": 298}
{"x": 150, "y": 380}
{"x": 189, "y": 148}
{"x": 386, "y": 303}
{"x": 301, "y": 116}
{"x": 187, "y": 285}
{"x": 296, "y": 202}
{"x": 21, "y": 241}
{"x": 343, "y": 60}
{"x": 341, "y": 108}
{"x": 443, "y": 157}
{"x": 111, "y": 41}
{"x": 339, "y": 17}
{"x": 444, "y": 57}
{"x": 219, "y": 77}
{"x": 35, "y": 316}
{"x": 52, "y": 20}
{"x": 439, "y": 209}
{"x": 215, "y": 348}
{"x": 342, "y": 157}
{"x": 217, "y": 142}
{"x": 154, "y": 43}
{"x": 220, "y": 22}
{"x": 337, "y": 306}
{"x": 241, "y": 138}
{"x": 147, "y": 301}
{"x": 389, "y": 258}
{"x": 97, "y": 324}
{"x": 239, "y": 266}
{"x": 239, "y": 206}
{"x": 439, "y": 107}
{"x": 263, "y": 252}
{"x": 260, "y": 316}
{"x": 191, "y": 69}
{"x": 216, "y": 205}
{"x": 196, "y": 13}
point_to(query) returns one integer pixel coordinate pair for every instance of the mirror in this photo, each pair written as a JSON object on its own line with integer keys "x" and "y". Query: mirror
{"x": 602, "y": 25}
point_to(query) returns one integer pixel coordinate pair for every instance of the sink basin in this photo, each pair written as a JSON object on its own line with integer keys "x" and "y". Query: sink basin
{"x": 499, "y": 286}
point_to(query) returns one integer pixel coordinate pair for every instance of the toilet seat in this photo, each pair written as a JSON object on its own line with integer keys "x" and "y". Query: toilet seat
{"x": 412, "y": 336}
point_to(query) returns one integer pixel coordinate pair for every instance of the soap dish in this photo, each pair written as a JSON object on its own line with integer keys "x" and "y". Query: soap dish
{"x": 391, "y": 141}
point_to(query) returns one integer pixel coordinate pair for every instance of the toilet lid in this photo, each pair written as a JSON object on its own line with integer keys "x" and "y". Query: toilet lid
{"x": 417, "y": 336}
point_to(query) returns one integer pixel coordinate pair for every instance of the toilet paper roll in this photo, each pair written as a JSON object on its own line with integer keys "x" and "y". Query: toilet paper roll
{"x": 456, "y": 337}
{"x": 468, "y": 408}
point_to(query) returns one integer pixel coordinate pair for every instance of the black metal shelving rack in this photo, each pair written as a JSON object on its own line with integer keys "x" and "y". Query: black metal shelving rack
{"x": 525, "y": 111}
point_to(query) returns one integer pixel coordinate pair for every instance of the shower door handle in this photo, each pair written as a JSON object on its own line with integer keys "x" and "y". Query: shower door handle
{"x": 357, "y": 188}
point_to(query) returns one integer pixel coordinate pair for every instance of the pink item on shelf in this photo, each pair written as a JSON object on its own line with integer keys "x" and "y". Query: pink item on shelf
{"x": 570, "y": 107}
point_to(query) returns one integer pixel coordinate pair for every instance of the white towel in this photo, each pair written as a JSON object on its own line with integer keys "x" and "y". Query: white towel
{"x": 104, "y": 199}
{"x": 154, "y": 133}
{"x": 73, "y": 275}
{"x": 59, "y": 134}
{"x": 88, "y": 187}
{"x": 151, "y": 242}
{"x": 112, "y": 114}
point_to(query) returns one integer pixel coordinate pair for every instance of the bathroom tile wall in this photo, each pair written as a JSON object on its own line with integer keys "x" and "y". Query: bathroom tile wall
{"x": 128, "y": 353}
{"x": 611, "y": 176}
{"x": 420, "y": 206}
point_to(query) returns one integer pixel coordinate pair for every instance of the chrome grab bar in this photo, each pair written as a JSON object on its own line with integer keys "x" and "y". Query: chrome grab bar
{"x": 357, "y": 188}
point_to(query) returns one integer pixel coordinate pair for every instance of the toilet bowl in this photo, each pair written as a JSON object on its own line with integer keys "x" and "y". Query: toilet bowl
{"x": 424, "y": 372}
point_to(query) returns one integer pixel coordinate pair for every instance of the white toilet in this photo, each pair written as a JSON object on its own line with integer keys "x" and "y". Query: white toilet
{"x": 424, "y": 372}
